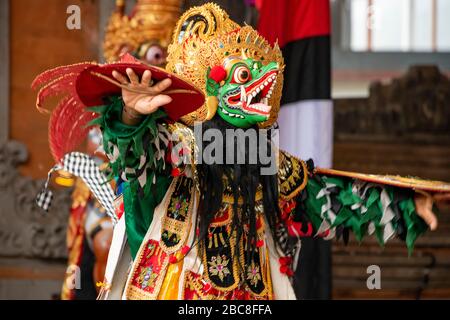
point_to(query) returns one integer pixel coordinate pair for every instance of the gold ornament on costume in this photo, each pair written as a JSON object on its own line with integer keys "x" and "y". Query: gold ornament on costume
{"x": 80, "y": 195}
{"x": 64, "y": 179}
{"x": 151, "y": 24}
{"x": 204, "y": 37}
{"x": 415, "y": 183}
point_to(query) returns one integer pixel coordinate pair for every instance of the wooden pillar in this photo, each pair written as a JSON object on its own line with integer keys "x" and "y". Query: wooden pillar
{"x": 4, "y": 71}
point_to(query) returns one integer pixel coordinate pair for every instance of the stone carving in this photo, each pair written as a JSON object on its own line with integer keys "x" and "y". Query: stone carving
{"x": 412, "y": 108}
{"x": 25, "y": 230}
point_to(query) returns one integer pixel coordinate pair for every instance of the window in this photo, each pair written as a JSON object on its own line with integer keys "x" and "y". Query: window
{"x": 399, "y": 25}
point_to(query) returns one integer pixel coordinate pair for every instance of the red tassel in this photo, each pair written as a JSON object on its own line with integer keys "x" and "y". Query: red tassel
{"x": 259, "y": 243}
{"x": 176, "y": 172}
{"x": 218, "y": 73}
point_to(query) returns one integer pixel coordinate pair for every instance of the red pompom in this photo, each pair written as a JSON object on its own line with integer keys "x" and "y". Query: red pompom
{"x": 218, "y": 73}
{"x": 176, "y": 172}
{"x": 287, "y": 271}
{"x": 173, "y": 259}
{"x": 285, "y": 261}
{"x": 283, "y": 269}
{"x": 259, "y": 243}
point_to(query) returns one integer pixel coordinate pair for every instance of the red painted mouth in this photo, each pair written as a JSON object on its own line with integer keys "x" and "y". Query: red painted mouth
{"x": 254, "y": 98}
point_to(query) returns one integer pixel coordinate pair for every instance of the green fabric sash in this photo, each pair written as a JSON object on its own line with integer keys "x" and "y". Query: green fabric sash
{"x": 126, "y": 145}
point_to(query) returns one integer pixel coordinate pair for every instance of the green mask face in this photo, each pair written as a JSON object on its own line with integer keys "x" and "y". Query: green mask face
{"x": 244, "y": 95}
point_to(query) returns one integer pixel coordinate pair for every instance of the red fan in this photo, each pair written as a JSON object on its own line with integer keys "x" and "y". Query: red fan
{"x": 86, "y": 85}
{"x": 68, "y": 122}
{"x": 95, "y": 83}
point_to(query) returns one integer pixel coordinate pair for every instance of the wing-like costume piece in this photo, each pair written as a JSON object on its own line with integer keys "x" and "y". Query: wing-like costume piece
{"x": 414, "y": 183}
{"x": 68, "y": 125}
{"x": 332, "y": 203}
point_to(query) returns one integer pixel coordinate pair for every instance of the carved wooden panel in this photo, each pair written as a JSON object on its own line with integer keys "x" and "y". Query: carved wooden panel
{"x": 403, "y": 127}
{"x": 413, "y": 108}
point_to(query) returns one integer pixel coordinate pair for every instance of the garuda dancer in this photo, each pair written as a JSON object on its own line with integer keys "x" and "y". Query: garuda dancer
{"x": 191, "y": 225}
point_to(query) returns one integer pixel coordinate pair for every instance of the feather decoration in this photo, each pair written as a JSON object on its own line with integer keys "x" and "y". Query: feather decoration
{"x": 61, "y": 85}
{"x": 69, "y": 121}
{"x": 58, "y": 72}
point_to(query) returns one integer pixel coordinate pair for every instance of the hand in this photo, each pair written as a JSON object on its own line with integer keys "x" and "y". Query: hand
{"x": 424, "y": 208}
{"x": 442, "y": 197}
{"x": 141, "y": 103}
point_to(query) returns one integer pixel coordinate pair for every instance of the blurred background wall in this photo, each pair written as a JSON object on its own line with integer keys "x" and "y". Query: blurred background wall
{"x": 391, "y": 116}
{"x": 391, "y": 92}
{"x": 34, "y": 38}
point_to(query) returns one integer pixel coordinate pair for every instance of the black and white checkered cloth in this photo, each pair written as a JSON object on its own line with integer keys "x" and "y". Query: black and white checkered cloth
{"x": 289, "y": 246}
{"x": 282, "y": 238}
{"x": 84, "y": 167}
{"x": 45, "y": 197}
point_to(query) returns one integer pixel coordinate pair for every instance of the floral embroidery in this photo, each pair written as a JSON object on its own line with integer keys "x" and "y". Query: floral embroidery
{"x": 253, "y": 274}
{"x": 218, "y": 266}
{"x": 148, "y": 272}
{"x": 178, "y": 207}
{"x": 146, "y": 277}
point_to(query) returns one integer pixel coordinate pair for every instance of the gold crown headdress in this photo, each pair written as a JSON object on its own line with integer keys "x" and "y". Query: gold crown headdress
{"x": 203, "y": 38}
{"x": 150, "y": 21}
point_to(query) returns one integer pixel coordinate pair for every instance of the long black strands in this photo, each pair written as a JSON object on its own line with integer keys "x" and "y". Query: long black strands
{"x": 242, "y": 181}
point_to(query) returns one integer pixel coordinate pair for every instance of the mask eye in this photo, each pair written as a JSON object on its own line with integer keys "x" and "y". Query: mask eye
{"x": 155, "y": 55}
{"x": 241, "y": 75}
